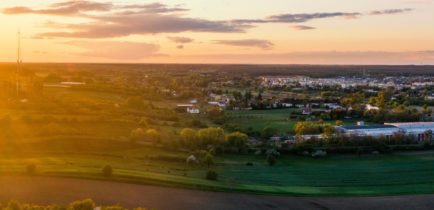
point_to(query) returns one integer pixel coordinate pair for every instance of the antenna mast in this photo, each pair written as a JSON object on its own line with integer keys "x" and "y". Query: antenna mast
{"x": 18, "y": 63}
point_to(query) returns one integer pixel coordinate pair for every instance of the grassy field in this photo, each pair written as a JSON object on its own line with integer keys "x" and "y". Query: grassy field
{"x": 331, "y": 176}
{"x": 256, "y": 120}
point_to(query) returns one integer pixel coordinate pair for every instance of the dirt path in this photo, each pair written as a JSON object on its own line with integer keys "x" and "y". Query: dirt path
{"x": 46, "y": 190}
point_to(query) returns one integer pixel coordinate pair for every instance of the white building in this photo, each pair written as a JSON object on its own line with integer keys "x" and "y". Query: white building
{"x": 370, "y": 107}
{"x": 189, "y": 108}
{"x": 193, "y": 110}
{"x": 369, "y": 130}
{"x": 333, "y": 106}
{"x": 418, "y": 129}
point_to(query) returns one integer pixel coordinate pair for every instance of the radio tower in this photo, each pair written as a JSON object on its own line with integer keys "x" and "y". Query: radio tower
{"x": 17, "y": 83}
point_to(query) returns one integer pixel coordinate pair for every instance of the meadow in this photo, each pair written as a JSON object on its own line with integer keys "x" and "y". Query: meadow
{"x": 257, "y": 120}
{"x": 337, "y": 175}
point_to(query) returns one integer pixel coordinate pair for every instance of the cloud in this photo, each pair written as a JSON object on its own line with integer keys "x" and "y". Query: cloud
{"x": 297, "y": 18}
{"x": 181, "y": 40}
{"x": 301, "y": 18}
{"x": 115, "y": 50}
{"x": 256, "y": 43}
{"x": 390, "y": 11}
{"x": 120, "y": 25}
{"x": 63, "y": 8}
{"x": 303, "y": 27}
{"x": 76, "y": 7}
{"x": 154, "y": 8}
{"x": 107, "y": 20}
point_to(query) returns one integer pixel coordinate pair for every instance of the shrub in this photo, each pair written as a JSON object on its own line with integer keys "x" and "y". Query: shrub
{"x": 86, "y": 204}
{"x": 211, "y": 175}
{"x": 107, "y": 171}
{"x": 31, "y": 169}
{"x": 271, "y": 160}
{"x": 13, "y": 205}
{"x": 319, "y": 153}
{"x": 114, "y": 207}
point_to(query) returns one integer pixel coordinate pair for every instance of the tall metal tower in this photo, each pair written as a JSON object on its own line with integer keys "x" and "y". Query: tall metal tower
{"x": 17, "y": 82}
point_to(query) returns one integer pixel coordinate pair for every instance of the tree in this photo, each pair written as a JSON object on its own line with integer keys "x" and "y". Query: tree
{"x": 328, "y": 132}
{"x": 137, "y": 134}
{"x": 268, "y": 132}
{"x": 383, "y": 98}
{"x": 271, "y": 160}
{"x": 152, "y": 135}
{"x": 211, "y": 175}
{"x": 210, "y": 136}
{"x": 216, "y": 114}
{"x": 188, "y": 136}
{"x": 302, "y": 128}
{"x": 237, "y": 140}
{"x": 209, "y": 159}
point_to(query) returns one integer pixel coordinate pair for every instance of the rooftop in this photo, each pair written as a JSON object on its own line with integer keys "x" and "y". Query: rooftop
{"x": 362, "y": 127}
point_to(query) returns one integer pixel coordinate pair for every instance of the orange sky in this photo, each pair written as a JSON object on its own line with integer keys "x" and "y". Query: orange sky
{"x": 225, "y": 31}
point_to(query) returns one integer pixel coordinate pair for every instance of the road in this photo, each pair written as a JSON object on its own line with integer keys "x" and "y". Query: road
{"x": 47, "y": 190}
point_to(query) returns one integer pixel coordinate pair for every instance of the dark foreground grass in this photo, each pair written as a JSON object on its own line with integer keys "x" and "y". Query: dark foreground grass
{"x": 296, "y": 176}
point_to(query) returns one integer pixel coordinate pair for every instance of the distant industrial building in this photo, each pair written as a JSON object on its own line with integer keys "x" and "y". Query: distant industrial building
{"x": 418, "y": 129}
{"x": 368, "y": 130}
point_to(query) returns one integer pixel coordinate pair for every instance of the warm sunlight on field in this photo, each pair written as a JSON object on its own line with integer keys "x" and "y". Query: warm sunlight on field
{"x": 183, "y": 105}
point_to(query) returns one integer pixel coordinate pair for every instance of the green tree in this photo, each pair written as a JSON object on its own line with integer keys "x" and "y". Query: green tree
{"x": 188, "y": 136}
{"x": 271, "y": 160}
{"x": 268, "y": 132}
{"x": 237, "y": 140}
{"x": 328, "y": 132}
{"x": 209, "y": 159}
{"x": 211, "y": 136}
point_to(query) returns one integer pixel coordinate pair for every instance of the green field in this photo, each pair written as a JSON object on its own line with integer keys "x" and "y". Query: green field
{"x": 257, "y": 120}
{"x": 293, "y": 175}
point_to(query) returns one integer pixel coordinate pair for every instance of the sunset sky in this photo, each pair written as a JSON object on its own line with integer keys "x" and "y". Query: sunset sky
{"x": 220, "y": 31}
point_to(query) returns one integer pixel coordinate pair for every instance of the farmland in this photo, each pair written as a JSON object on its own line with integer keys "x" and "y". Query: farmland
{"x": 128, "y": 121}
{"x": 292, "y": 175}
